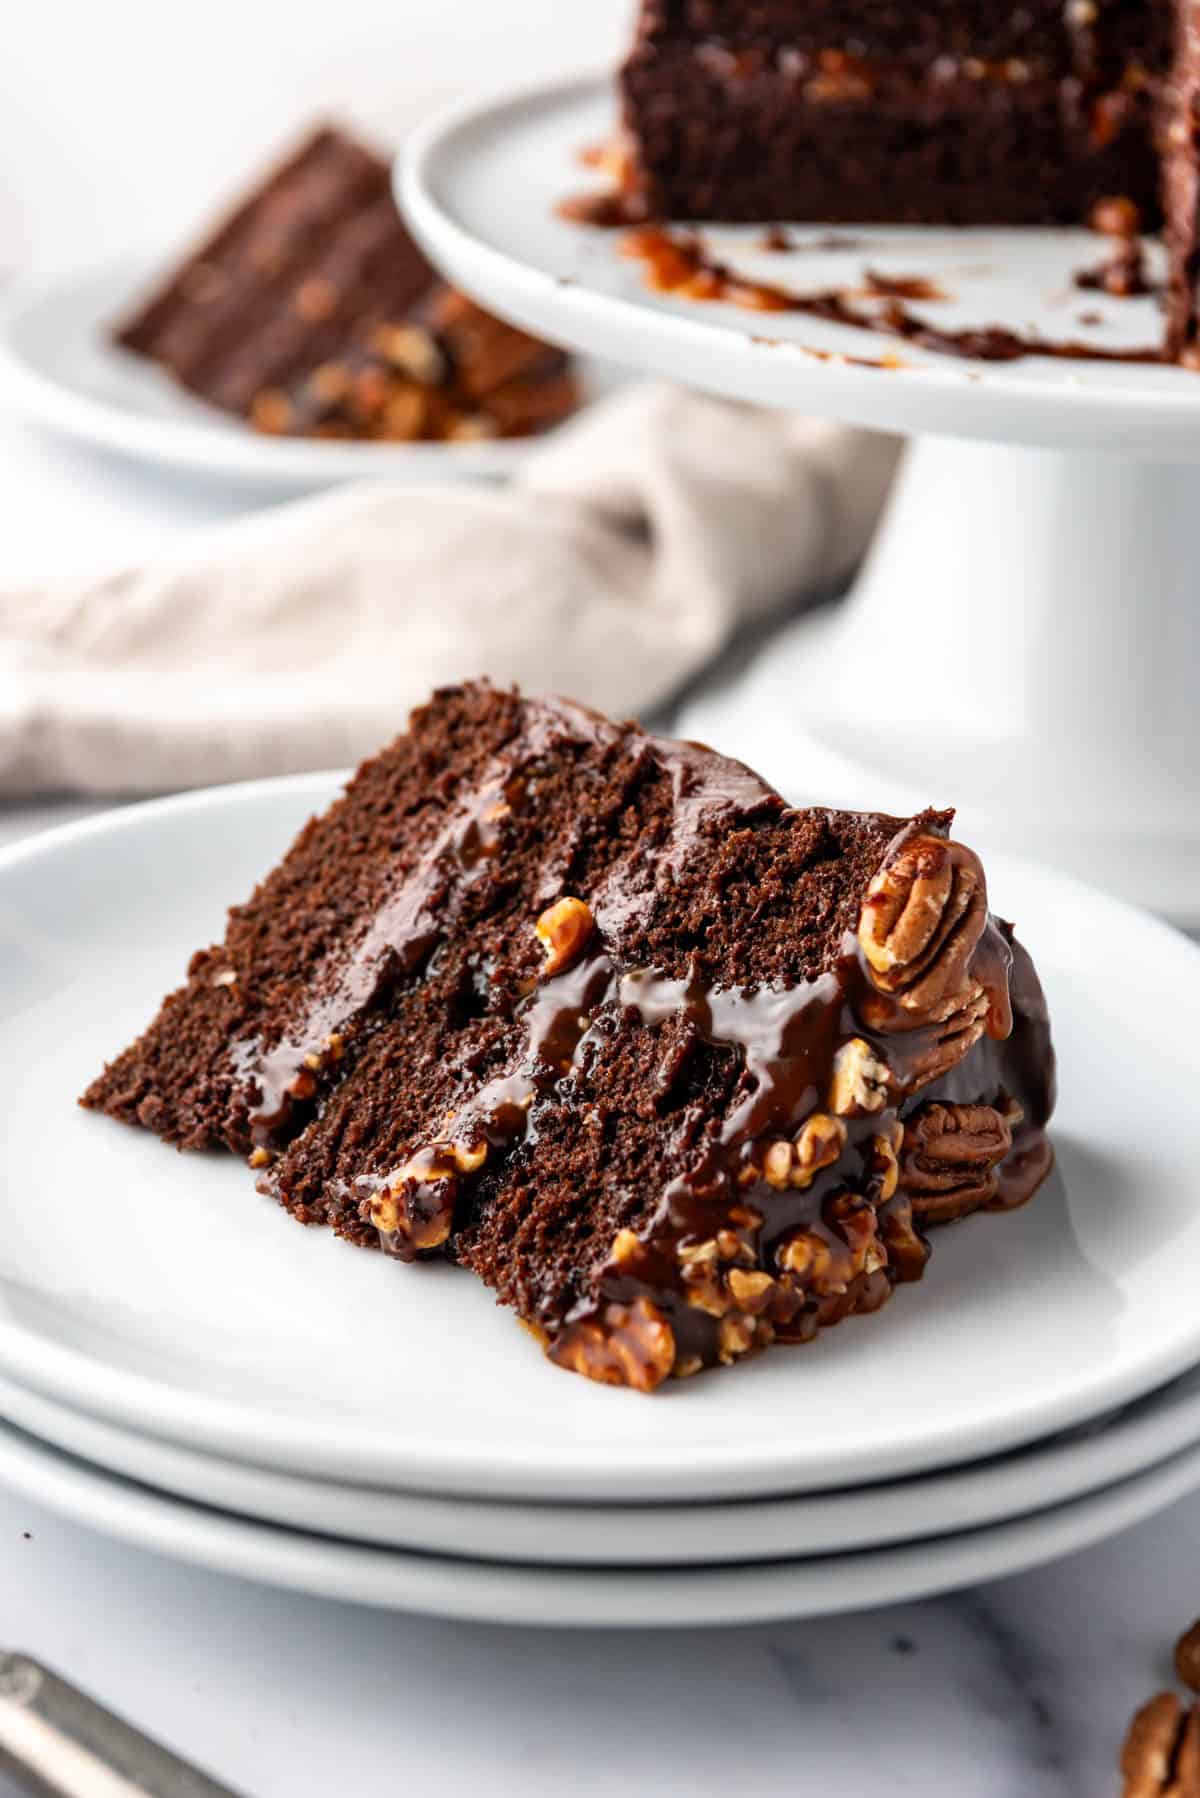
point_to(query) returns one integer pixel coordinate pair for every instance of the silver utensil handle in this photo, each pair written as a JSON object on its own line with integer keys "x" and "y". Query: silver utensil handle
{"x": 58, "y": 1743}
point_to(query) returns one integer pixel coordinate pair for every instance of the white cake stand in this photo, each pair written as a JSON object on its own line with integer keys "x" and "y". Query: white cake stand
{"x": 1024, "y": 640}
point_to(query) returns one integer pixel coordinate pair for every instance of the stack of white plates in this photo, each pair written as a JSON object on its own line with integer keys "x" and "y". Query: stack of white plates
{"x": 181, "y": 1366}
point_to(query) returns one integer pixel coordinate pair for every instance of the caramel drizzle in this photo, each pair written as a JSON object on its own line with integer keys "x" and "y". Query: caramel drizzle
{"x": 679, "y": 264}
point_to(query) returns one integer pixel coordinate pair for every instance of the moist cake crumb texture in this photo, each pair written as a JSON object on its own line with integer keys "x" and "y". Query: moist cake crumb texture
{"x": 677, "y": 1070}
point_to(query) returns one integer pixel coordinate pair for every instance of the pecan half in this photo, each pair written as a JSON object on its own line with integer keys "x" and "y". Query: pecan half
{"x": 627, "y": 1345}
{"x": 817, "y": 1145}
{"x": 921, "y": 924}
{"x": 951, "y": 1159}
{"x": 1161, "y": 1755}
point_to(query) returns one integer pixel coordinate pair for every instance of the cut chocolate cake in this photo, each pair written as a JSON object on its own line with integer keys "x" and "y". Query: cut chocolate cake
{"x": 1181, "y": 192}
{"x": 675, "y": 1069}
{"x": 943, "y": 113}
{"x": 312, "y": 312}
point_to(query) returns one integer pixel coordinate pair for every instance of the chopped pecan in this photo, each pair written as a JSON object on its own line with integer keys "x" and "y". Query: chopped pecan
{"x": 907, "y": 1250}
{"x": 626, "y": 1249}
{"x": 627, "y": 1345}
{"x": 884, "y": 1165}
{"x": 563, "y": 931}
{"x": 951, "y": 1160}
{"x": 856, "y": 1220}
{"x": 750, "y": 1291}
{"x": 733, "y": 1248}
{"x": 860, "y": 1080}
{"x": 415, "y": 1210}
{"x": 470, "y": 1157}
{"x": 821, "y": 1264}
{"x": 819, "y": 1143}
{"x": 777, "y": 1164}
{"x": 805, "y": 1254}
{"x": 1161, "y": 1755}
{"x": 703, "y": 1285}
{"x": 735, "y": 1336}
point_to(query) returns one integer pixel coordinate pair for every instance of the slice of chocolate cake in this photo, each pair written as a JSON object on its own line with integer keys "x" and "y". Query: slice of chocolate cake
{"x": 312, "y": 312}
{"x": 676, "y": 1069}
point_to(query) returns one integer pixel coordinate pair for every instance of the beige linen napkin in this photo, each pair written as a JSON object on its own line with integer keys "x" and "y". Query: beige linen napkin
{"x": 625, "y": 555}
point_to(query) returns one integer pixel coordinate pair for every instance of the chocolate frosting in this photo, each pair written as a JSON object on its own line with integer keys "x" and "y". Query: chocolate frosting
{"x": 854, "y": 1221}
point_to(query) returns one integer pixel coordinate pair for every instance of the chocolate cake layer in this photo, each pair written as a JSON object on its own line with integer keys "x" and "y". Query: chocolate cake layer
{"x": 834, "y": 136}
{"x": 677, "y": 1070}
{"x": 1085, "y": 38}
{"x": 279, "y": 317}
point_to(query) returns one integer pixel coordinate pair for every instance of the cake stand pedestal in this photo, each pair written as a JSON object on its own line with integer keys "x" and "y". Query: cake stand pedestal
{"x": 1024, "y": 639}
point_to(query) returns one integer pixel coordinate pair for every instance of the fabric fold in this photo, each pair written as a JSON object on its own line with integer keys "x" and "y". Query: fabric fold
{"x": 627, "y": 553}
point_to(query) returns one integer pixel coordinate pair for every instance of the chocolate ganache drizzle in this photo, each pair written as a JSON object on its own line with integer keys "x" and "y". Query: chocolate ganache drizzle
{"x": 908, "y": 1084}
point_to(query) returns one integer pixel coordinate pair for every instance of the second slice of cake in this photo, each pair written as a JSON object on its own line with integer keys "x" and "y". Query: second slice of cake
{"x": 676, "y": 1069}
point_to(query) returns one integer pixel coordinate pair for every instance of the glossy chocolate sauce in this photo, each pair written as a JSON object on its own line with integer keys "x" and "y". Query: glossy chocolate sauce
{"x": 286, "y": 1075}
{"x": 785, "y": 1039}
{"x": 859, "y": 1232}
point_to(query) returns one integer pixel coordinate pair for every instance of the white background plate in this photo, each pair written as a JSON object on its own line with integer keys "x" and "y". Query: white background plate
{"x": 59, "y": 367}
{"x": 1066, "y": 1467}
{"x": 480, "y": 186}
{"x": 160, "y": 1290}
{"x": 607, "y": 1597}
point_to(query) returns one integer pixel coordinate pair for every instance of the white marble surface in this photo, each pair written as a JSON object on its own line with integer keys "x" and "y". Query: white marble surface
{"x": 1016, "y": 1690}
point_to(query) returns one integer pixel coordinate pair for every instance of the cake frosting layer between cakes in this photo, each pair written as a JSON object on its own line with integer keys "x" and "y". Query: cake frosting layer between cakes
{"x": 676, "y": 1069}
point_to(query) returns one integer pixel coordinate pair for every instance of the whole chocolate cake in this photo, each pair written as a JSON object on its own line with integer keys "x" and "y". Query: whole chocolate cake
{"x": 674, "y": 1068}
{"x": 311, "y": 311}
{"x": 946, "y": 113}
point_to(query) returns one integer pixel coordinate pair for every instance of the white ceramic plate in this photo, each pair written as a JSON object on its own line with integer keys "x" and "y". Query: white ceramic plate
{"x": 988, "y": 1492}
{"x": 608, "y": 1596}
{"x": 57, "y": 364}
{"x": 480, "y": 185}
{"x": 161, "y": 1292}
